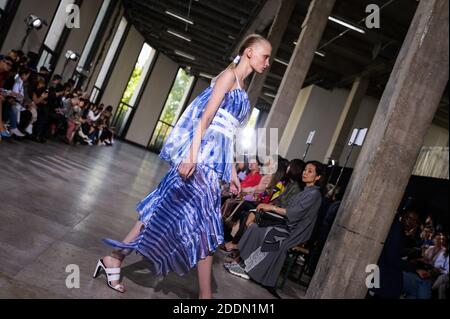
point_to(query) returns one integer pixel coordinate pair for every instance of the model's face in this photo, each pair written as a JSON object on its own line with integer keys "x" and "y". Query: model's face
{"x": 259, "y": 56}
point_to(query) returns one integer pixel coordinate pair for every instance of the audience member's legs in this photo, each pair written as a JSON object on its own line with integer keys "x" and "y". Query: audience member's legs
{"x": 414, "y": 287}
{"x": 2, "y": 128}
{"x": 441, "y": 285}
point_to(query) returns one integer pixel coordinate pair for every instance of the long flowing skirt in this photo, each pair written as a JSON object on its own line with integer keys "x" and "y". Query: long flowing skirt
{"x": 182, "y": 222}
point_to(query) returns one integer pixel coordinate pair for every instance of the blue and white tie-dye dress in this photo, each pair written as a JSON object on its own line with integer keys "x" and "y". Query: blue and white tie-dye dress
{"x": 182, "y": 218}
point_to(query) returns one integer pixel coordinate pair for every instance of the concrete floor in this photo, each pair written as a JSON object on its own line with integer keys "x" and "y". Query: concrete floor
{"x": 56, "y": 204}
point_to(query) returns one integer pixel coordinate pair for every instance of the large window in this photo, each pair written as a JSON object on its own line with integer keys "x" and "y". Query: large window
{"x": 130, "y": 98}
{"x": 52, "y": 40}
{"x": 110, "y": 57}
{"x": 3, "y": 4}
{"x": 86, "y": 56}
{"x": 172, "y": 110}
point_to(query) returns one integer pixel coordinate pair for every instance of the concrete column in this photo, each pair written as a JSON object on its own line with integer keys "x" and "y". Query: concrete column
{"x": 279, "y": 26}
{"x": 312, "y": 31}
{"x": 386, "y": 161}
{"x": 347, "y": 118}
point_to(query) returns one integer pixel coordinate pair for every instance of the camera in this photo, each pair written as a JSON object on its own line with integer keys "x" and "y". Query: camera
{"x": 4, "y": 92}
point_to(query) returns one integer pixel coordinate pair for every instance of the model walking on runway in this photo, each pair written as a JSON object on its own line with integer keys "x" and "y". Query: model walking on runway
{"x": 180, "y": 225}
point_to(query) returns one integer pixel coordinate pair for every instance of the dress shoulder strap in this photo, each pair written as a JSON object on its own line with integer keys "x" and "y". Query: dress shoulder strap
{"x": 213, "y": 81}
{"x": 237, "y": 80}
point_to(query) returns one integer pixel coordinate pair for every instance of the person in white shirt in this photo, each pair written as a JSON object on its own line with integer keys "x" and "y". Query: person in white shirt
{"x": 18, "y": 93}
{"x": 441, "y": 283}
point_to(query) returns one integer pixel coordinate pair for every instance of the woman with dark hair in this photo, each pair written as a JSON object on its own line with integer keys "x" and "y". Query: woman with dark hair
{"x": 291, "y": 187}
{"x": 263, "y": 249}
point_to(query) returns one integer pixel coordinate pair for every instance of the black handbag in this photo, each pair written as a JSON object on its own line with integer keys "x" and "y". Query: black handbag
{"x": 266, "y": 219}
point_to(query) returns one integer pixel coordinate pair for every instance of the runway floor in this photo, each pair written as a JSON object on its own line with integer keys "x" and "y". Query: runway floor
{"x": 56, "y": 204}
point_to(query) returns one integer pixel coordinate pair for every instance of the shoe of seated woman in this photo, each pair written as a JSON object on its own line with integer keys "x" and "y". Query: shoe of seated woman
{"x": 5, "y": 134}
{"x": 237, "y": 270}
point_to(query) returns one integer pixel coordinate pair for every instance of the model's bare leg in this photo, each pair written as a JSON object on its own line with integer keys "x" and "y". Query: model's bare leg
{"x": 117, "y": 256}
{"x": 204, "y": 269}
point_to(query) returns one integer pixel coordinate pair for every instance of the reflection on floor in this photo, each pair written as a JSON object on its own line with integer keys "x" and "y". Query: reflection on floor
{"x": 58, "y": 201}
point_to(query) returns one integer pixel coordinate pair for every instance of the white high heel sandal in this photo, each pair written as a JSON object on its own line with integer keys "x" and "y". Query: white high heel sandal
{"x": 112, "y": 274}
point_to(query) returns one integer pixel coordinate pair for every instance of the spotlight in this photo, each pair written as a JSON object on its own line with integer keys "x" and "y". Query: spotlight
{"x": 33, "y": 23}
{"x": 70, "y": 55}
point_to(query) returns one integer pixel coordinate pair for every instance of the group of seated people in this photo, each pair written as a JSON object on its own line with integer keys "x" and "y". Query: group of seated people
{"x": 292, "y": 206}
{"x": 414, "y": 261}
{"x": 34, "y": 107}
{"x": 273, "y": 213}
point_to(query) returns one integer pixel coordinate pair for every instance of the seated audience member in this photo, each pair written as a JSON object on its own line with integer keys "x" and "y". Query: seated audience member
{"x": 418, "y": 283}
{"x": 18, "y": 92}
{"x": 27, "y": 117}
{"x": 106, "y": 133}
{"x": 426, "y": 237}
{"x": 6, "y": 65}
{"x": 3, "y": 132}
{"x": 263, "y": 249}
{"x": 253, "y": 177}
{"x": 323, "y": 228}
{"x": 292, "y": 182}
{"x": 440, "y": 285}
{"x": 394, "y": 254}
{"x": 40, "y": 99}
{"x": 242, "y": 170}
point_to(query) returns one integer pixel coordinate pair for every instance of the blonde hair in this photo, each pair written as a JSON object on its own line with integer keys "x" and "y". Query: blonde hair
{"x": 247, "y": 43}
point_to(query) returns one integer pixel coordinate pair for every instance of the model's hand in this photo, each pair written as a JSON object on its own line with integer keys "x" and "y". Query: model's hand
{"x": 235, "y": 186}
{"x": 186, "y": 169}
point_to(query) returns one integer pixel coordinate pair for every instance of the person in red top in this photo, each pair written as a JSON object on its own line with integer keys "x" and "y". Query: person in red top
{"x": 253, "y": 178}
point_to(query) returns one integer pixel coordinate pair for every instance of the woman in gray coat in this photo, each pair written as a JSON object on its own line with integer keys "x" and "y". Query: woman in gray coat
{"x": 263, "y": 249}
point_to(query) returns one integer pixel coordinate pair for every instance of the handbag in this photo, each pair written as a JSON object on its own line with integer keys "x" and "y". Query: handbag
{"x": 267, "y": 219}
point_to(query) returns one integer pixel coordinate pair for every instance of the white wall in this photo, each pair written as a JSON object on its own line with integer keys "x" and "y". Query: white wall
{"x": 363, "y": 119}
{"x": 319, "y": 110}
{"x": 44, "y": 9}
{"x": 78, "y": 37}
{"x": 153, "y": 100}
{"x": 437, "y": 136}
{"x": 122, "y": 69}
